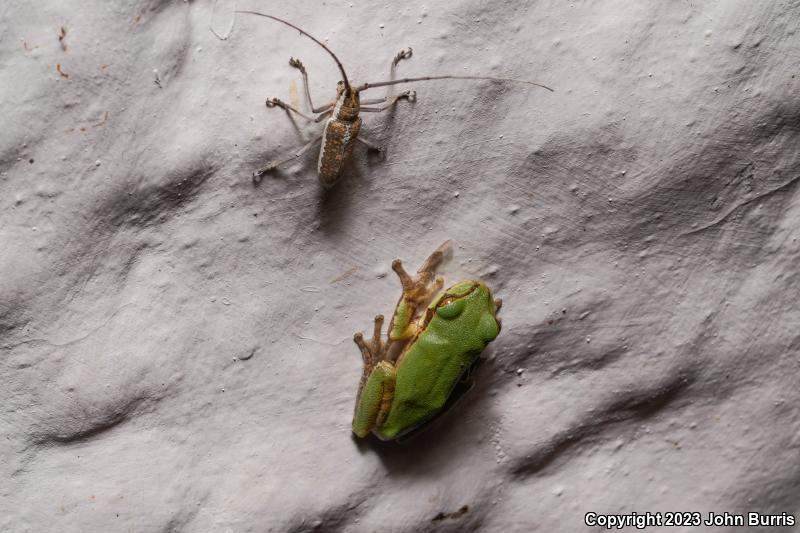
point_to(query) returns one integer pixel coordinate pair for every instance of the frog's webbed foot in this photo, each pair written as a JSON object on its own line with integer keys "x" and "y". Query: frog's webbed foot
{"x": 428, "y": 269}
{"x": 373, "y": 351}
{"x": 437, "y": 286}
{"x": 425, "y": 284}
{"x": 417, "y": 291}
{"x": 436, "y": 258}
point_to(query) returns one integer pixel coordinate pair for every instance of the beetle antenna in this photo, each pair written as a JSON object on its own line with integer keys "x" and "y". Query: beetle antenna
{"x": 338, "y": 63}
{"x": 366, "y": 86}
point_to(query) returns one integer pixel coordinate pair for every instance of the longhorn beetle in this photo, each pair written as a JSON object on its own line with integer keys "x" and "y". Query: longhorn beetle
{"x": 341, "y": 129}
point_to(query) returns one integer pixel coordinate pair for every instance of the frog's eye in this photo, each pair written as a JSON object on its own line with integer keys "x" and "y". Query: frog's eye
{"x": 451, "y": 307}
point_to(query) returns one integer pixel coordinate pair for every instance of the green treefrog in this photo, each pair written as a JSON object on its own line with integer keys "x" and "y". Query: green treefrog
{"x": 434, "y": 337}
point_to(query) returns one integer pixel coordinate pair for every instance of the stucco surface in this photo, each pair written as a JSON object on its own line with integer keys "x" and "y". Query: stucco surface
{"x": 176, "y": 342}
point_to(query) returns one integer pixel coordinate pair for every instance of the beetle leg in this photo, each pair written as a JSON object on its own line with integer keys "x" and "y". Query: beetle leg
{"x": 405, "y": 53}
{"x": 324, "y": 114}
{"x": 411, "y": 96}
{"x": 277, "y": 102}
{"x": 371, "y": 101}
{"x": 371, "y": 145}
{"x": 325, "y": 110}
{"x": 278, "y": 162}
{"x": 296, "y": 63}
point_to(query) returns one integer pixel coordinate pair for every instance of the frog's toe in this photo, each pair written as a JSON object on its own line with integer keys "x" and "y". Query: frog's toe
{"x": 405, "y": 278}
{"x": 366, "y": 353}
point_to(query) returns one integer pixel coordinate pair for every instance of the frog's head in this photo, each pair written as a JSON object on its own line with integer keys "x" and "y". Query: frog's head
{"x": 470, "y": 304}
{"x": 347, "y": 102}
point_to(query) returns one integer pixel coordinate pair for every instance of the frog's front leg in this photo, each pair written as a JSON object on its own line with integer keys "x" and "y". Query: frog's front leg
{"x": 416, "y": 292}
{"x": 376, "y": 389}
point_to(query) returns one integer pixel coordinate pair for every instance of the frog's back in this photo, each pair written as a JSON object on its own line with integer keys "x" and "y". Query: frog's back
{"x": 432, "y": 367}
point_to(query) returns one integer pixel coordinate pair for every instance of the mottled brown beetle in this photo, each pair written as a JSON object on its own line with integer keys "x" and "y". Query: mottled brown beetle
{"x": 342, "y": 127}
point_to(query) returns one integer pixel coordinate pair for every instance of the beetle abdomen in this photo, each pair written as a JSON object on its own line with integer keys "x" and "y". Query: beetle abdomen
{"x": 338, "y": 141}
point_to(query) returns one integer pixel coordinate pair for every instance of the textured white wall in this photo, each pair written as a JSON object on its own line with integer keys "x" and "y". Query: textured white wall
{"x": 175, "y": 343}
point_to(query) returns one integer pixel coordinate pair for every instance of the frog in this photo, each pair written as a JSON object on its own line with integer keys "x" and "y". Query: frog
{"x": 434, "y": 337}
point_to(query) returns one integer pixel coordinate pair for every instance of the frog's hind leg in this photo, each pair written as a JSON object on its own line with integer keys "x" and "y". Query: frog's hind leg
{"x": 425, "y": 284}
{"x": 376, "y": 390}
{"x": 433, "y": 261}
{"x": 374, "y": 351}
{"x": 417, "y": 291}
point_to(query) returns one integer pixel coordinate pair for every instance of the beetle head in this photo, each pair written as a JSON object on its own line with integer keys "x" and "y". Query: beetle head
{"x": 348, "y": 102}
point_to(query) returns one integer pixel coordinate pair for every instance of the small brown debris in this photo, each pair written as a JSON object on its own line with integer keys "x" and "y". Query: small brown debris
{"x": 61, "y": 34}
{"x": 105, "y": 118}
{"x": 61, "y": 72}
{"x": 344, "y": 275}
